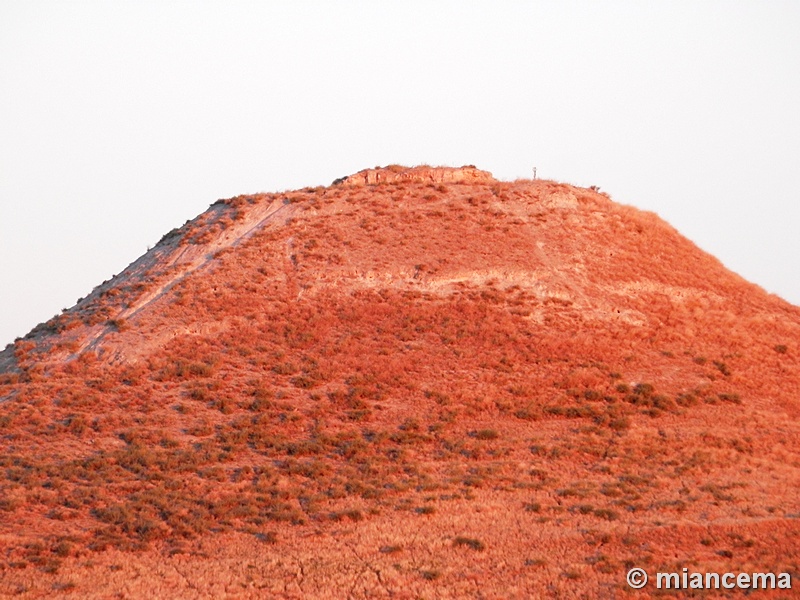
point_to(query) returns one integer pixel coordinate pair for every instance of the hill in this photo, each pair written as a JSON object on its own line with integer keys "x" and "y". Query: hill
{"x": 411, "y": 382}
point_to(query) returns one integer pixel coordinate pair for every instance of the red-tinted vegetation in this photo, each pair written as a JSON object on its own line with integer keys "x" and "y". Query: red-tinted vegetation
{"x": 486, "y": 386}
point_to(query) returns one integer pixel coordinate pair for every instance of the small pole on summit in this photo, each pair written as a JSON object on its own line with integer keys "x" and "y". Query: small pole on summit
{"x": 534, "y": 172}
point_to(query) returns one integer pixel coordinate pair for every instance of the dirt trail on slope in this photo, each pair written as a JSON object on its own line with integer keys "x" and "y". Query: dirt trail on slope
{"x": 181, "y": 261}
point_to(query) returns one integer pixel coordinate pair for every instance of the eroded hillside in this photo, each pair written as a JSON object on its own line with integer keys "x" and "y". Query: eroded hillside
{"x": 412, "y": 380}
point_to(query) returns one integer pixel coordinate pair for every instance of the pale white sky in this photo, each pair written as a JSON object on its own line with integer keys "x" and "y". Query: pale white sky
{"x": 119, "y": 121}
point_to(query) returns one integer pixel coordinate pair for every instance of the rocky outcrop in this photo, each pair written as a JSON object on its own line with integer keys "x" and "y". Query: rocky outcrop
{"x": 8, "y": 362}
{"x": 395, "y": 173}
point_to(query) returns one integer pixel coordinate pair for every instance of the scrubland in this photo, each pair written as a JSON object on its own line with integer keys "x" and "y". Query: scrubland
{"x": 407, "y": 390}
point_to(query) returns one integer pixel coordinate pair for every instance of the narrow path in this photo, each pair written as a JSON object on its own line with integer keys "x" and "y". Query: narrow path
{"x": 195, "y": 259}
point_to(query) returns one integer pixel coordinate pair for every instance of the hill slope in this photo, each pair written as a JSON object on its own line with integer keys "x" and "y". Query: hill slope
{"x": 412, "y": 380}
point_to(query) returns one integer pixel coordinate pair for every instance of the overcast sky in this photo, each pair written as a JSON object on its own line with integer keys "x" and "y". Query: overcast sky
{"x": 121, "y": 120}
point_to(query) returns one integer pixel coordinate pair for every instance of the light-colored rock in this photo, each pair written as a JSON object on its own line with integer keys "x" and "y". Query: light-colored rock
{"x": 395, "y": 173}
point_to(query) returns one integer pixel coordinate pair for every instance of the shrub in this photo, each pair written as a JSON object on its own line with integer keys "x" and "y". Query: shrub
{"x": 303, "y": 382}
{"x": 353, "y": 514}
{"x": 584, "y": 509}
{"x": 118, "y": 324}
{"x": 663, "y": 403}
{"x": 472, "y": 543}
{"x": 535, "y": 562}
{"x": 485, "y": 434}
{"x": 270, "y": 537}
{"x": 526, "y": 414}
{"x": 607, "y": 514}
{"x": 732, "y": 398}
{"x": 722, "y": 367}
{"x": 620, "y": 424}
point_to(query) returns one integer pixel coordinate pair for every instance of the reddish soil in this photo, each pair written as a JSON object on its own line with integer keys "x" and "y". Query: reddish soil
{"x": 410, "y": 384}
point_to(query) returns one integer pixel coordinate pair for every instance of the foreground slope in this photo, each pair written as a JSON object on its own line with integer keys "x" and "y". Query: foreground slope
{"x": 413, "y": 380}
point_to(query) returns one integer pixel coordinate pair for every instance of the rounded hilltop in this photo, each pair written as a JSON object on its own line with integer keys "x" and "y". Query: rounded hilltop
{"x": 421, "y": 173}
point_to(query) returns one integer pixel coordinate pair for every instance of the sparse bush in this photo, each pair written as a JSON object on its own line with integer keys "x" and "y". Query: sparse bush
{"x": 526, "y": 414}
{"x": 583, "y": 509}
{"x": 620, "y": 424}
{"x": 686, "y": 400}
{"x": 732, "y": 398}
{"x": 722, "y": 367}
{"x": 607, "y": 514}
{"x": 118, "y": 324}
{"x": 269, "y": 537}
{"x": 472, "y": 543}
{"x": 485, "y": 434}
{"x": 535, "y": 562}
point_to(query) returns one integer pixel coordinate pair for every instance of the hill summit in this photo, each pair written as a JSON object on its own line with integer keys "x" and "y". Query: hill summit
{"x": 413, "y": 380}
{"x": 424, "y": 174}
